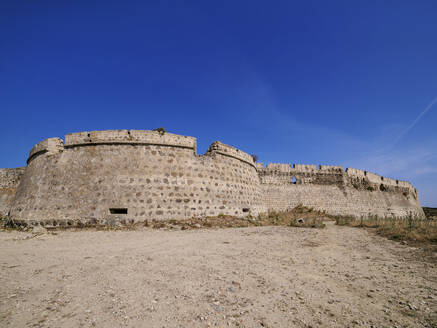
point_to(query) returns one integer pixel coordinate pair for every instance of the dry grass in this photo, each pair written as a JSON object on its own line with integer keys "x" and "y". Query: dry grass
{"x": 409, "y": 229}
{"x": 300, "y": 216}
{"x": 430, "y": 212}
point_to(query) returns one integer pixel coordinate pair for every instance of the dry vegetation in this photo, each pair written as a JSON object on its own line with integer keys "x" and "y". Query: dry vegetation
{"x": 409, "y": 229}
{"x": 300, "y": 216}
{"x": 430, "y": 212}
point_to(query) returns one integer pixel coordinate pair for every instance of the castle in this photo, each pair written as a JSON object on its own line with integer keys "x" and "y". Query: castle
{"x": 128, "y": 176}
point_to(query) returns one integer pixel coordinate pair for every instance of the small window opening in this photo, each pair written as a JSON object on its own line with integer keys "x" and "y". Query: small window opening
{"x": 382, "y": 188}
{"x": 293, "y": 180}
{"x": 118, "y": 210}
{"x": 245, "y": 210}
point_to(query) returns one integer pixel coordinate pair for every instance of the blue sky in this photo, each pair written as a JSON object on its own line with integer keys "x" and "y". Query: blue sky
{"x": 314, "y": 82}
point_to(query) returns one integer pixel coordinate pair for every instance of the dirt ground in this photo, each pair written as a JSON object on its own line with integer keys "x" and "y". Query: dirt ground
{"x": 245, "y": 277}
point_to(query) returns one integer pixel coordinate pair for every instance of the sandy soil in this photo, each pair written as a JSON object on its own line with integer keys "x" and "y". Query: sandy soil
{"x": 246, "y": 277}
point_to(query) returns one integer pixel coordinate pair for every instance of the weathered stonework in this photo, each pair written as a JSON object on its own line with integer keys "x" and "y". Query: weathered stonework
{"x": 9, "y": 181}
{"x": 127, "y": 176}
{"x": 336, "y": 191}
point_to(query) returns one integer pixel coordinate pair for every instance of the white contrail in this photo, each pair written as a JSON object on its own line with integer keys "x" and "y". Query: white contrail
{"x": 432, "y": 103}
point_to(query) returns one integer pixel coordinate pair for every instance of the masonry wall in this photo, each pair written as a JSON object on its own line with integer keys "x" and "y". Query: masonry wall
{"x": 124, "y": 176}
{"x": 9, "y": 181}
{"x": 96, "y": 177}
{"x": 336, "y": 191}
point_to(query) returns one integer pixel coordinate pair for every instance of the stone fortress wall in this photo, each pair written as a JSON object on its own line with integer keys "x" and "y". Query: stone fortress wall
{"x": 106, "y": 176}
{"x": 336, "y": 191}
{"x": 9, "y": 181}
{"x": 126, "y": 176}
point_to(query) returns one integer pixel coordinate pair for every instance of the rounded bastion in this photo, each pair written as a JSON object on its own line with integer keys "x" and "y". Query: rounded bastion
{"x": 127, "y": 176}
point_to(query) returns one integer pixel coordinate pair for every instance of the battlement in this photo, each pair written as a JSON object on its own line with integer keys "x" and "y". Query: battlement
{"x": 356, "y": 172}
{"x": 304, "y": 167}
{"x": 331, "y": 168}
{"x": 278, "y": 167}
{"x": 129, "y": 137}
{"x": 297, "y": 169}
{"x": 218, "y": 147}
{"x": 285, "y": 168}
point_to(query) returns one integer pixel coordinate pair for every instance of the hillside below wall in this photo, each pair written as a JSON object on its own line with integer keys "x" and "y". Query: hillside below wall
{"x": 160, "y": 179}
{"x": 9, "y": 181}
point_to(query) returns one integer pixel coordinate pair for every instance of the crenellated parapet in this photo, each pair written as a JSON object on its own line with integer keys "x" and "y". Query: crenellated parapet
{"x": 337, "y": 191}
{"x": 301, "y": 174}
{"x": 330, "y": 174}
{"x": 375, "y": 181}
{"x": 304, "y": 168}
{"x": 331, "y": 168}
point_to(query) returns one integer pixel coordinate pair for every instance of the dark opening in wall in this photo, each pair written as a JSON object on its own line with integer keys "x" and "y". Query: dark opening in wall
{"x": 293, "y": 180}
{"x": 382, "y": 188}
{"x": 118, "y": 210}
{"x": 245, "y": 210}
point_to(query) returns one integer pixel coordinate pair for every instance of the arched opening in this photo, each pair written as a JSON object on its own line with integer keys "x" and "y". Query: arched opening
{"x": 382, "y": 188}
{"x": 293, "y": 180}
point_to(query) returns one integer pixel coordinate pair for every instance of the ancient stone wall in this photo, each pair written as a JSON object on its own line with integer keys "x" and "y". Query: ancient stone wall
{"x": 9, "y": 181}
{"x": 129, "y": 176}
{"x": 336, "y": 191}
{"x": 124, "y": 176}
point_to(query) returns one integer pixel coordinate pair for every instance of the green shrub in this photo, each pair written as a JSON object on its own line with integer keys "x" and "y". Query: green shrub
{"x": 160, "y": 130}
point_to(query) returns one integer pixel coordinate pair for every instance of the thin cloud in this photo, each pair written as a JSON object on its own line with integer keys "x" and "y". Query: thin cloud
{"x": 432, "y": 103}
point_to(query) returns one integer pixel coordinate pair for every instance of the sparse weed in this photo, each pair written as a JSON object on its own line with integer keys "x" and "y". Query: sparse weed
{"x": 411, "y": 228}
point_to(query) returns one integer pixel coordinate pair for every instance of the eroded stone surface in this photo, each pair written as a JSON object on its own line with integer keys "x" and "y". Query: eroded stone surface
{"x": 9, "y": 181}
{"x": 127, "y": 176}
